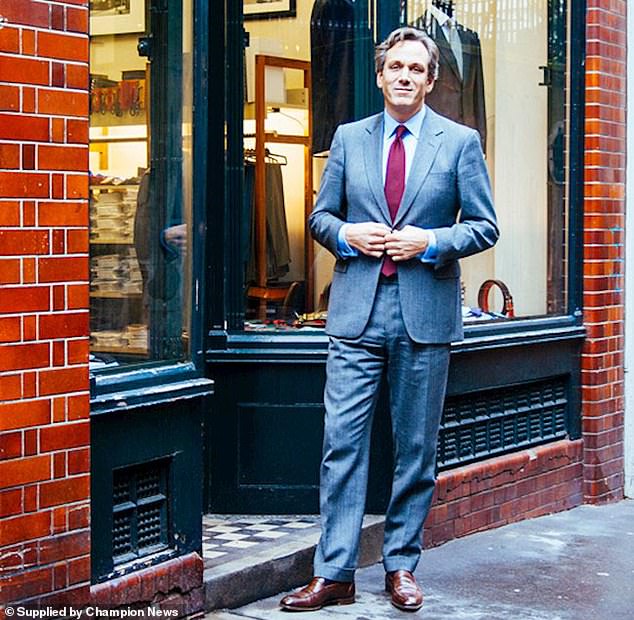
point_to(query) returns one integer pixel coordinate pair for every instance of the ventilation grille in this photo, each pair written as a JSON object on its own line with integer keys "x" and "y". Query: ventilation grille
{"x": 476, "y": 426}
{"x": 140, "y": 511}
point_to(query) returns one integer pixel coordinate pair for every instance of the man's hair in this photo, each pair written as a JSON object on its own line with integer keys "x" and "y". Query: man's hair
{"x": 407, "y": 33}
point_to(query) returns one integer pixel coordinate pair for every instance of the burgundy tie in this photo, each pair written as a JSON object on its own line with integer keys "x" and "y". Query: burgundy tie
{"x": 394, "y": 187}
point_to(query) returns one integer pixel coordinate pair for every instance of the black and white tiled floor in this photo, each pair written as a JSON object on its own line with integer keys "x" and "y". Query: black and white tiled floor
{"x": 229, "y": 538}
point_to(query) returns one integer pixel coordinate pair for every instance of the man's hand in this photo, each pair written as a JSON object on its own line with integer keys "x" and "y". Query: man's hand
{"x": 368, "y": 237}
{"x": 406, "y": 243}
{"x": 176, "y": 236}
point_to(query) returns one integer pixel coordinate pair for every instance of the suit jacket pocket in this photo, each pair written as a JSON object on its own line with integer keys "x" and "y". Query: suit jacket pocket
{"x": 450, "y": 270}
{"x": 341, "y": 266}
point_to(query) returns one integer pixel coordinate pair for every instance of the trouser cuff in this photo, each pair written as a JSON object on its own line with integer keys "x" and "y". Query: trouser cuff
{"x": 399, "y": 563}
{"x": 334, "y": 573}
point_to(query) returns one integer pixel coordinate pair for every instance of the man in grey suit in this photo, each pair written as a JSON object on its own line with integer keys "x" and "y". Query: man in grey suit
{"x": 404, "y": 195}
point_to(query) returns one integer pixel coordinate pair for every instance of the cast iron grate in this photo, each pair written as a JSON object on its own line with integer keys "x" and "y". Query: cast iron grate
{"x": 477, "y": 426}
{"x": 140, "y": 511}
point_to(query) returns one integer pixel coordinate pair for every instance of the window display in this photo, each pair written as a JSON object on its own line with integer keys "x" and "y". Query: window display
{"x": 140, "y": 185}
{"x": 503, "y": 72}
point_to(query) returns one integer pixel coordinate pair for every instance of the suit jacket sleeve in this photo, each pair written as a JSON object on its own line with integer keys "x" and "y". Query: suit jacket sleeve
{"x": 476, "y": 227}
{"x": 329, "y": 213}
{"x": 479, "y": 107}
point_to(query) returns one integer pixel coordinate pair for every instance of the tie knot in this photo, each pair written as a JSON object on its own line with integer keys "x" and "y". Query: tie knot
{"x": 400, "y": 130}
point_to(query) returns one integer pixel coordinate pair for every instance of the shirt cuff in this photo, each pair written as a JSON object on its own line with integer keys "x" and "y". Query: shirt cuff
{"x": 343, "y": 247}
{"x": 431, "y": 252}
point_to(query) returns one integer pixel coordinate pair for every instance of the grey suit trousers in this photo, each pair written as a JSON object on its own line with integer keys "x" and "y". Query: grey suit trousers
{"x": 417, "y": 376}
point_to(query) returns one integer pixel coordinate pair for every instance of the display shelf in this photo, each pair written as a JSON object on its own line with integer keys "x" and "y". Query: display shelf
{"x": 112, "y": 187}
{"x": 125, "y": 350}
{"x": 111, "y": 241}
{"x": 115, "y": 295}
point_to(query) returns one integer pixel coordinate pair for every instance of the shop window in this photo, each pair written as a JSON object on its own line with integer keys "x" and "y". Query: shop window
{"x": 309, "y": 67}
{"x": 140, "y": 180}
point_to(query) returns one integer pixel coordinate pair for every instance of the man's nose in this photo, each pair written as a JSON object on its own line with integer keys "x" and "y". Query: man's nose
{"x": 404, "y": 75}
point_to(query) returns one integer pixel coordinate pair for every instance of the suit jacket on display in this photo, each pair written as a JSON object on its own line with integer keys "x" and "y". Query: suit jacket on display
{"x": 447, "y": 190}
{"x": 332, "y": 68}
{"x": 459, "y": 98}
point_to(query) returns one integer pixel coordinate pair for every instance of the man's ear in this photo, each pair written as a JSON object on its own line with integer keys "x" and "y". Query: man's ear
{"x": 429, "y": 86}
{"x": 379, "y": 79}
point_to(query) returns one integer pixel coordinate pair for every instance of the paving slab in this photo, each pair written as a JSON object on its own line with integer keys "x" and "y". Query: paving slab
{"x": 575, "y": 565}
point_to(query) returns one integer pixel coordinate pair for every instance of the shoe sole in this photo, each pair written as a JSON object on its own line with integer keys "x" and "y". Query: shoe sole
{"x": 339, "y": 601}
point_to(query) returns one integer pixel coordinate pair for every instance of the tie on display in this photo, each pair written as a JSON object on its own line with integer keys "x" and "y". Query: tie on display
{"x": 394, "y": 186}
{"x": 455, "y": 43}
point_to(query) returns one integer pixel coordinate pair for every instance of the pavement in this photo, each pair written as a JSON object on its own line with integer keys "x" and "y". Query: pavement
{"x": 575, "y": 565}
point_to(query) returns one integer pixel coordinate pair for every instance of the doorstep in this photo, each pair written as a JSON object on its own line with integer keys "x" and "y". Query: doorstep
{"x": 247, "y": 558}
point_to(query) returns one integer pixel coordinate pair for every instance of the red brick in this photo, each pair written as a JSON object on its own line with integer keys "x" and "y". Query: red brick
{"x": 63, "y": 269}
{"x": 59, "y": 353}
{"x": 9, "y": 96}
{"x": 23, "y": 127}
{"x": 62, "y": 102}
{"x": 77, "y": 131}
{"x": 58, "y": 186}
{"x": 78, "y": 242}
{"x": 76, "y": 186}
{"x": 10, "y": 445}
{"x": 58, "y": 245}
{"x": 28, "y": 213}
{"x": 64, "y": 491}
{"x": 63, "y": 214}
{"x": 26, "y": 12}
{"x": 79, "y": 461}
{"x": 10, "y": 329}
{"x": 78, "y": 407}
{"x": 26, "y": 527}
{"x": 28, "y": 42}
{"x": 77, "y": 20}
{"x": 63, "y": 436}
{"x": 31, "y": 442}
{"x": 14, "y": 70}
{"x": 9, "y": 39}
{"x": 24, "y": 471}
{"x": 62, "y": 46}
{"x": 78, "y": 296}
{"x": 59, "y": 465}
{"x": 22, "y": 414}
{"x": 28, "y": 584}
{"x": 60, "y": 575}
{"x": 9, "y": 155}
{"x": 10, "y": 387}
{"x": 23, "y": 185}
{"x": 57, "y": 17}
{"x": 29, "y": 328}
{"x": 28, "y": 99}
{"x": 29, "y": 385}
{"x": 62, "y": 158}
{"x": 63, "y": 325}
{"x": 58, "y": 132}
{"x": 59, "y": 381}
{"x": 79, "y": 570}
{"x": 10, "y": 503}
{"x": 9, "y": 274}
{"x": 22, "y": 356}
{"x": 78, "y": 517}
{"x": 59, "y": 409}
{"x": 9, "y": 213}
{"x": 78, "y": 351}
{"x": 77, "y": 76}
{"x": 59, "y": 298}
{"x": 28, "y": 156}
{"x": 20, "y": 242}
{"x": 24, "y": 299}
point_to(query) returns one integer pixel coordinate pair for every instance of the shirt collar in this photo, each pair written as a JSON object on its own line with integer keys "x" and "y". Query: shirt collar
{"x": 413, "y": 124}
{"x": 442, "y": 18}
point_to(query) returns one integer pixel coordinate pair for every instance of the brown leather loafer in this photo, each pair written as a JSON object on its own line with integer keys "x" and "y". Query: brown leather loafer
{"x": 406, "y": 595}
{"x": 319, "y": 593}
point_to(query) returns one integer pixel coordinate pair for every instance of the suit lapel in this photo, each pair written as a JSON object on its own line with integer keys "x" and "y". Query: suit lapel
{"x": 429, "y": 142}
{"x": 373, "y": 158}
{"x": 467, "y": 53}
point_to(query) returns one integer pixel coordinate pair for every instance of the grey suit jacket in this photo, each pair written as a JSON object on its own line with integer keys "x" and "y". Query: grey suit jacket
{"x": 447, "y": 191}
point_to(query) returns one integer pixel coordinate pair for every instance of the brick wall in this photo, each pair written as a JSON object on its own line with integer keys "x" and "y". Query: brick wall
{"x": 604, "y": 219}
{"x": 44, "y": 402}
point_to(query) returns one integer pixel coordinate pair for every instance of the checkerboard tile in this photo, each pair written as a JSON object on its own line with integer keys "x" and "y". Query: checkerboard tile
{"x": 228, "y": 538}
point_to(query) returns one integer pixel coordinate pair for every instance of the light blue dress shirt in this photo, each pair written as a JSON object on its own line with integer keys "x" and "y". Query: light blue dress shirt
{"x": 410, "y": 140}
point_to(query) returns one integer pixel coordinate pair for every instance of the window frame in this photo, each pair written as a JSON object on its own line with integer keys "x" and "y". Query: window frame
{"x": 226, "y": 311}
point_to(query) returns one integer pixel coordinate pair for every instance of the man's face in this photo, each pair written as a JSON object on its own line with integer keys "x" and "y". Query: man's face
{"x": 405, "y": 79}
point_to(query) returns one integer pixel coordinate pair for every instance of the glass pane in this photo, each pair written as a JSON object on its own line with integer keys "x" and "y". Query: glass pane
{"x": 513, "y": 91}
{"x": 140, "y": 180}
{"x": 509, "y": 83}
